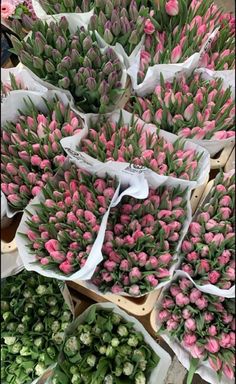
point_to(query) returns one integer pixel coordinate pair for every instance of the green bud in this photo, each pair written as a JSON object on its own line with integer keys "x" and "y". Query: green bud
{"x": 64, "y": 83}
{"x": 108, "y": 37}
{"x": 37, "y": 62}
{"x": 50, "y": 68}
{"x": 17, "y": 45}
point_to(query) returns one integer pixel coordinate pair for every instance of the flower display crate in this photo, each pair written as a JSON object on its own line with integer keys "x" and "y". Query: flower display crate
{"x": 231, "y": 162}
{"x": 222, "y": 157}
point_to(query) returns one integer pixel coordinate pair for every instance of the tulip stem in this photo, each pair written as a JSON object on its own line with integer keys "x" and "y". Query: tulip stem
{"x": 192, "y": 370}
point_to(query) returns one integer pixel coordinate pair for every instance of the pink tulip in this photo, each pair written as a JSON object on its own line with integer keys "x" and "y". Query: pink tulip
{"x": 188, "y": 113}
{"x": 215, "y": 363}
{"x": 149, "y": 28}
{"x": 228, "y": 371}
{"x": 212, "y": 345}
{"x": 176, "y": 54}
{"x": 172, "y": 7}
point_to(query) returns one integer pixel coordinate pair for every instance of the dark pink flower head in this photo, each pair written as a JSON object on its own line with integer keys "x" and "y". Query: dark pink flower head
{"x": 212, "y": 345}
{"x": 181, "y": 299}
{"x": 189, "y": 340}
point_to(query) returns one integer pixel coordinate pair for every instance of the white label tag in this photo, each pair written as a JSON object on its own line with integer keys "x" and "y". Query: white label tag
{"x": 135, "y": 169}
{"x": 77, "y": 155}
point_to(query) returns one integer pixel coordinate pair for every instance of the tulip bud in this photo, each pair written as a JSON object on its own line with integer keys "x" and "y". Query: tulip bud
{"x": 133, "y": 11}
{"x": 69, "y": 3}
{"x": 66, "y": 62}
{"x": 134, "y": 38}
{"x": 108, "y": 68}
{"x": 64, "y": 83}
{"x": 75, "y": 56}
{"x": 93, "y": 23}
{"x": 56, "y": 56}
{"x": 17, "y": 45}
{"x": 102, "y": 19}
{"x": 108, "y": 8}
{"x": 176, "y": 54}
{"x": 37, "y": 62}
{"x": 108, "y": 37}
{"x": 87, "y": 62}
{"x": 103, "y": 88}
{"x": 92, "y": 54}
{"x": 104, "y": 100}
{"x": 27, "y": 22}
{"x": 112, "y": 79}
{"x": 25, "y": 58}
{"x": 87, "y": 44}
{"x": 48, "y": 50}
{"x": 63, "y": 23}
{"x": 50, "y": 68}
{"x": 116, "y": 28}
{"x": 188, "y": 113}
{"x": 91, "y": 84}
{"x": 172, "y": 7}
{"x": 61, "y": 44}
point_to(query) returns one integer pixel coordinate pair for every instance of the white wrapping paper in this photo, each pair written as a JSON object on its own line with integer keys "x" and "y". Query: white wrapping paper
{"x": 204, "y": 369}
{"x": 169, "y": 71}
{"x": 70, "y": 143}
{"x": 24, "y": 76}
{"x": 208, "y": 288}
{"x": 10, "y": 112}
{"x": 161, "y": 369}
{"x": 11, "y": 264}
{"x": 41, "y": 14}
{"x": 137, "y": 188}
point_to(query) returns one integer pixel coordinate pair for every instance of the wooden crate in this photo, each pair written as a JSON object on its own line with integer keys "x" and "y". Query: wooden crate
{"x": 136, "y": 306}
{"x": 197, "y": 194}
{"x": 221, "y": 158}
{"x": 231, "y": 162}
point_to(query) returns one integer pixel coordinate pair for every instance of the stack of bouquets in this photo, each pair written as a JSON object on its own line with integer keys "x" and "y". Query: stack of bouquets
{"x": 120, "y": 21}
{"x": 208, "y": 250}
{"x": 175, "y": 31}
{"x": 104, "y": 347}
{"x": 19, "y": 15}
{"x": 73, "y": 61}
{"x": 14, "y": 85}
{"x": 34, "y": 317}
{"x": 191, "y": 107}
{"x": 201, "y": 323}
{"x": 137, "y": 143}
{"x": 141, "y": 240}
{"x": 61, "y": 227}
{"x": 31, "y": 152}
{"x": 52, "y": 7}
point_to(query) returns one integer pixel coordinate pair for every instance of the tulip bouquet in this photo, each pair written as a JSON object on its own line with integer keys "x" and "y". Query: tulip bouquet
{"x": 73, "y": 62}
{"x": 175, "y": 32}
{"x": 15, "y": 84}
{"x": 52, "y": 7}
{"x": 66, "y": 221}
{"x": 141, "y": 240}
{"x": 102, "y": 346}
{"x": 208, "y": 248}
{"x": 191, "y": 107}
{"x": 34, "y": 317}
{"x": 19, "y": 15}
{"x": 203, "y": 324}
{"x": 137, "y": 143}
{"x": 30, "y": 149}
{"x": 120, "y": 21}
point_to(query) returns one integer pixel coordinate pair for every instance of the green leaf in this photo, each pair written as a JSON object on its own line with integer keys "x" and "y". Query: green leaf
{"x": 192, "y": 369}
{"x": 91, "y": 317}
